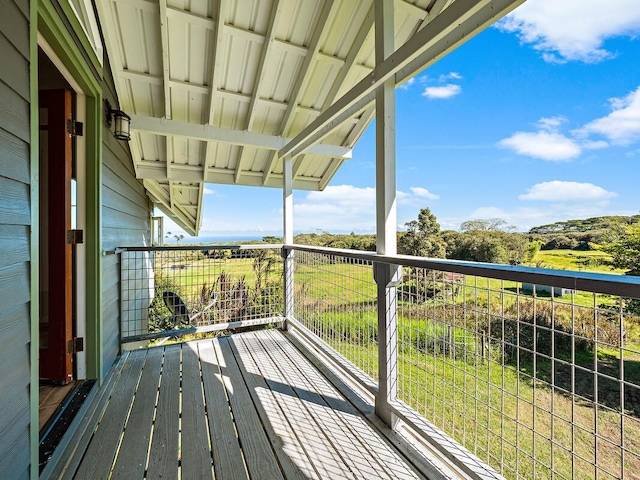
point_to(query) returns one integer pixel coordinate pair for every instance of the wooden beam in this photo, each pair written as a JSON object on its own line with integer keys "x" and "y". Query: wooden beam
{"x": 161, "y": 126}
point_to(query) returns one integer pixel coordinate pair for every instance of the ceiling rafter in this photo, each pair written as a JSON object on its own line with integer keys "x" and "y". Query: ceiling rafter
{"x": 164, "y": 53}
{"x": 314, "y": 47}
{"x": 216, "y": 44}
{"x": 179, "y": 215}
{"x": 270, "y": 34}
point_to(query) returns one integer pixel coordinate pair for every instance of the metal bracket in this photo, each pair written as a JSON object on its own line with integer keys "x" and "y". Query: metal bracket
{"x": 75, "y": 345}
{"x": 74, "y": 237}
{"x": 75, "y": 128}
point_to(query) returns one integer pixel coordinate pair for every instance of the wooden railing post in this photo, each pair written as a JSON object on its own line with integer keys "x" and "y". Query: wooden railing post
{"x": 288, "y": 255}
{"x": 387, "y": 278}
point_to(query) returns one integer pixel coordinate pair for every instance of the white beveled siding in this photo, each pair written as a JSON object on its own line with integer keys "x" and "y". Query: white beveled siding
{"x": 15, "y": 217}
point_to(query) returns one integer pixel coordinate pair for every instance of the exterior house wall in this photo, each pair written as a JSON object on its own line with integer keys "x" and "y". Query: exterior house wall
{"x": 126, "y": 218}
{"x": 15, "y": 218}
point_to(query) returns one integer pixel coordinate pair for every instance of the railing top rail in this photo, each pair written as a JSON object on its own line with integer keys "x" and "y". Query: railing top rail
{"x": 257, "y": 246}
{"x": 619, "y": 285}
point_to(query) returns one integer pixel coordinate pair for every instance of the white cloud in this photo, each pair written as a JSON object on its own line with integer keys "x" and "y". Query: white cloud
{"x": 449, "y": 76}
{"x": 573, "y": 30}
{"x": 347, "y": 208}
{"x": 551, "y": 124}
{"x": 595, "y": 145}
{"x": 562, "y": 191}
{"x": 546, "y": 145}
{"x": 443, "y": 91}
{"x": 208, "y": 191}
{"x": 337, "y": 208}
{"x": 424, "y": 193}
{"x": 622, "y": 125}
{"x": 408, "y": 83}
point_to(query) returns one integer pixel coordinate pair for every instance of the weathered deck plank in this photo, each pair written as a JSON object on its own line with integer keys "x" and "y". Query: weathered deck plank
{"x": 246, "y": 406}
{"x": 195, "y": 453}
{"x": 370, "y": 447}
{"x": 258, "y": 452}
{"x": 289, "y": 452}
{"x": 132, "y": 459}
{"x": 102, "y": 450}
{"x": 163, "y": 455}
{"x": 323, "y": 456}
{"x": 227, "y": 455}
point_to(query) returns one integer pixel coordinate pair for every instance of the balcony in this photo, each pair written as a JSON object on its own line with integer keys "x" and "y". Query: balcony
{"x": 469, "y": 374}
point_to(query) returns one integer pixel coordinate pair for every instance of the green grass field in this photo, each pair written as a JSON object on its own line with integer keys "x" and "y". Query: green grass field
{"x": 580, "y": 261}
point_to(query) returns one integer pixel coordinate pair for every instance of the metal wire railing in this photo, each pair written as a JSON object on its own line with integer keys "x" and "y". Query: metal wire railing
{"x": 335, "y": 298}
{"x": 536, "y": 372}
{"x": 170, "y": 290}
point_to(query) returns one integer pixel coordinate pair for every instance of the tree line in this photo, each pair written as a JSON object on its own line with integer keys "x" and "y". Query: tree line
{"x": 495, "y": 241}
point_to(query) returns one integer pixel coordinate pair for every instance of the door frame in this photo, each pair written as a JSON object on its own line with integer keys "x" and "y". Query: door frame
{"x": 80, "y": 266}
{"x": 54, "y": 27}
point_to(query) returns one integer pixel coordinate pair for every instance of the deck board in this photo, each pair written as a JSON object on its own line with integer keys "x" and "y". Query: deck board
{"x": 258, "y": 452}
{"x": 239, "y": 407}
{"x": 163, "y": 454}
{"x": 103, "y": 447}
{"x": 289, "y": 452}
{"x": 131, "y": 462}
{"x": 324, "y": 457}
{"x": 228, "y": 462}
{"x": 195, "y": 452}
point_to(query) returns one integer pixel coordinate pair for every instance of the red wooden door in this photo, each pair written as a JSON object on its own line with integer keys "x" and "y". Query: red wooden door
{"x": 56, "y": 263}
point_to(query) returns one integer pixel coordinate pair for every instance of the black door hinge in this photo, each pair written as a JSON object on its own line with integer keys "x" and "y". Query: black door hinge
{"x": 74, "y": 128}
{"x": 74, "y": 237}
{"x": 75, "y": 345}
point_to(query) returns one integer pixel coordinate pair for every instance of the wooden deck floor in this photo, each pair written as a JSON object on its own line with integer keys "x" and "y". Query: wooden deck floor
{"x": 246, "y": 406}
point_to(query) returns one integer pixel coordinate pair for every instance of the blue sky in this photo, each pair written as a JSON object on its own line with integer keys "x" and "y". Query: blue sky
{"x": 533, "y": 121}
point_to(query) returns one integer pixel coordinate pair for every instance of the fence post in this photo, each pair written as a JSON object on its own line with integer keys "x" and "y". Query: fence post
{"x": 288, "y": 255}
{"x": 387, "y": 278}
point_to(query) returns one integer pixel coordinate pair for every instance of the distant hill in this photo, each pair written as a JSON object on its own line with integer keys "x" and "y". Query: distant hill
{"x": 583, "y": 234}
{"x": 587, "y": 224}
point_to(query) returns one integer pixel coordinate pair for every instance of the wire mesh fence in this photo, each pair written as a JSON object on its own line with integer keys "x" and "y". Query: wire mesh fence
{"x": 335, "y": 298}
{"x": 538, "y": 381}
{"x": 168, "y": 288}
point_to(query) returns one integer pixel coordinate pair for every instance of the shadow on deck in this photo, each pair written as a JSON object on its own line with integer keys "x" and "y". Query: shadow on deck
{"x": 245, "y": 406}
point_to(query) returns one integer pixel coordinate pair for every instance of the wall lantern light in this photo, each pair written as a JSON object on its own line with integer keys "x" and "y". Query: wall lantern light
{"x": 121, "y": 123}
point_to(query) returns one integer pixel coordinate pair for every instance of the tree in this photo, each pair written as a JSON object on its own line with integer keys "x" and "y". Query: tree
{"x": 422, "y": 238}
{"x": 489, "y": 225}
{"x": 626, "y": 251}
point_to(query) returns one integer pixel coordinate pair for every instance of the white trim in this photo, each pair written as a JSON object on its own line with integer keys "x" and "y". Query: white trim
{"x": 167, "y": 127}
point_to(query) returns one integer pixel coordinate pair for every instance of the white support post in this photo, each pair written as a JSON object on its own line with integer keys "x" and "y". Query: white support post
{"x": 287, "y": 253}
{"x": 386, "y": 276}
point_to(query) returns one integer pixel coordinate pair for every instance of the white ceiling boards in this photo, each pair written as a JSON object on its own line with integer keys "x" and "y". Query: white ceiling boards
{"x": 218, "y": 88}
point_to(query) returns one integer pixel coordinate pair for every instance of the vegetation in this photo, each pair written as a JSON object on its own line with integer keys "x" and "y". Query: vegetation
{"x": 244, "y": 287}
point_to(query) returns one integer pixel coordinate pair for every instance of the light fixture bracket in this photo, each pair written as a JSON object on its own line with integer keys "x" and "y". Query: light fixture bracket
{"x": 120, "y": 121}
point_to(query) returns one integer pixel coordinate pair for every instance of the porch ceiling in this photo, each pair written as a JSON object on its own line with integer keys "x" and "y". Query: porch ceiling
{"x": 217, "y": 87}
